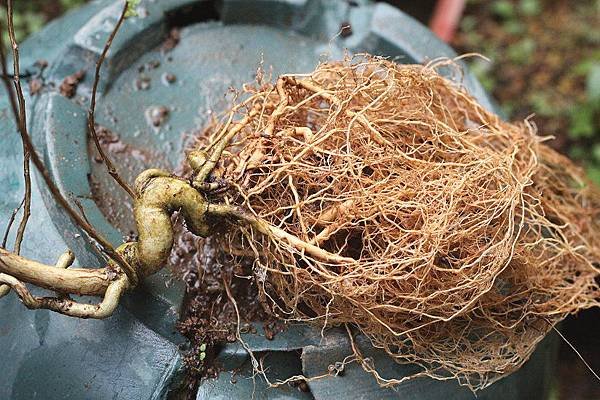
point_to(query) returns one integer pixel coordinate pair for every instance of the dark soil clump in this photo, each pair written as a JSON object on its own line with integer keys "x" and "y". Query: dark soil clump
{"x": 209, "y": 320}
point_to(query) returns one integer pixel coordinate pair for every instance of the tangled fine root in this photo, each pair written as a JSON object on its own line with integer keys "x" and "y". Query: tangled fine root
{"x": 450, "y": 238}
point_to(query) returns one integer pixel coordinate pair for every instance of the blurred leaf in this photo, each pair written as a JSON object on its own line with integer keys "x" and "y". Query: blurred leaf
{"x": 30, "y": 17}
{"x": 508, "y": 108}
{"x": 530, "y": 7}
{"x": 503, "y": 9}
{"x": 522, "y": 51}
{"x": 540, "y": 104}
{"x": 596, "y": 152}
{"x": 581, "y": 121}
{"x": 592, "y": 84}
{"x": 577, "y": 152}
{"x": 482, "y": 70}
{"x": 468, "y": 23}
{"x": 593, "y": 172}
{"x": 583, "y": 68}
{"x": 514, "y": 27}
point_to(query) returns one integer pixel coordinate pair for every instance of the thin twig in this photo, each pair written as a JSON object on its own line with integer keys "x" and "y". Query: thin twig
{"x": 22, "y": 122}
{"x": 81, "y": 210}
{"x": 57, "y": 195}
{"x": 112, "y": 171}
{"x": 10, "y": 222}
{"x": 27, "y": 74}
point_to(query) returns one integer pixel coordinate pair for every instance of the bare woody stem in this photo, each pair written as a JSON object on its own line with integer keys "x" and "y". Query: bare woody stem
{"x": 16, "y": 97}
{"x": 67, "y": 306}
{"x": 158, "y": 195}
{"x": 81, "y": 281}
{"x": 22, "y": 122}
{"x": 91, "y": 120}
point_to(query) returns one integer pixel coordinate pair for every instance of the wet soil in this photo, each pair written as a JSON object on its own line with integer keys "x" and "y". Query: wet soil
{"x": 208, "y": 319}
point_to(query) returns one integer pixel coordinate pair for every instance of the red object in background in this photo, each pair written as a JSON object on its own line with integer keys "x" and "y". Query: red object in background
{"x": 446, "y": 16}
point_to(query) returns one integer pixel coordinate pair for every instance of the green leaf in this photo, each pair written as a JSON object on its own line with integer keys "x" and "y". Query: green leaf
{"x": 203, "y": 347}
{"x": 592, "y": 86}
{"x": 582, "y": 121}
{"x": 503, "y": 9}
{"x": 541, "y": 104}
{"x": 530, "y": 7}
{"x": 132, "y": 8}
{"x": 522, "y": 51}
{"x": 202, "y": 356}
{"x": 593, "y": 172}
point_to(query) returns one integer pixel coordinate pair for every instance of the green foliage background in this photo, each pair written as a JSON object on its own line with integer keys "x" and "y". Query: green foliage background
{"x": 32, "y": 15}
{"x": 544, "y": 60}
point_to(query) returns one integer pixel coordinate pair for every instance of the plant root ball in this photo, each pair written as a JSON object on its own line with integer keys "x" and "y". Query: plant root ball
{"x": 449, "y": 237}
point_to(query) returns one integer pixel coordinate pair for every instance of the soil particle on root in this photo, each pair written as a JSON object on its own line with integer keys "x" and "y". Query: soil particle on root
{"x": 272, "y": 328}
{"x": 68, "y": 87}
{"x": 153, "y": 64}
{"x": 345, "y": 29}
{"x": 41, "y": 65}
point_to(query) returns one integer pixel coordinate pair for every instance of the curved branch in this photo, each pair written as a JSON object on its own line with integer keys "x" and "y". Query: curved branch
{"x": 112, "y": 171}
{"x": 82, "y": 281}
{"x": 22, "y": 123}
{"x": 67, "y": 306}
{"x": 159, "y": 194}
{"x": 203, "y": 164}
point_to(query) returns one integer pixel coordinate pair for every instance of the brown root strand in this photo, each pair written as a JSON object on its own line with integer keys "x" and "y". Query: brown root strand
{"x": 452, "y": 239}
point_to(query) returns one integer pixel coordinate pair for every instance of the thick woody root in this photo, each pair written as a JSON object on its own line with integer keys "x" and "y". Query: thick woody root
{"x": 387, "y": 197}
{"x": 157, "y": 195}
